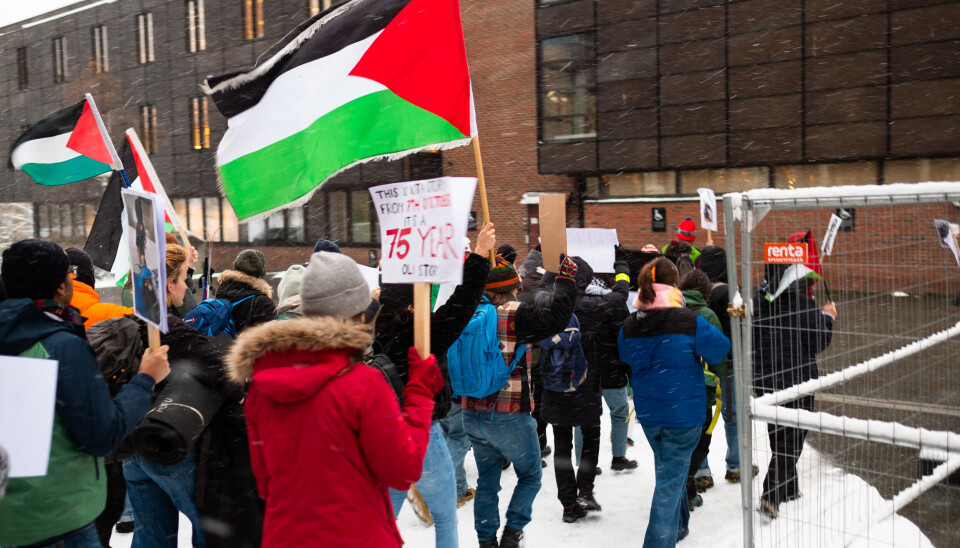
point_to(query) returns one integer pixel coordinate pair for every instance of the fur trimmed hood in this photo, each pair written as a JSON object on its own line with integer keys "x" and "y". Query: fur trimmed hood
{"x": 258, "y": 284}
{"x": 310, "y": 334}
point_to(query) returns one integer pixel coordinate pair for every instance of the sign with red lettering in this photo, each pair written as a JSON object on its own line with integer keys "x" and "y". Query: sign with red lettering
{"x": 785, "y": 253}
{"x": 422, "y": 227}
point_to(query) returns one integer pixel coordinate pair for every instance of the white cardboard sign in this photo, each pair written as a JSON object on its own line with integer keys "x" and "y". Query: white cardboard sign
{"x": 143, "y": 224}
{"x": 708, "y": 209}
{"x": 826, "y": 247}
{"x": 594, "y": 245}
{"x": 28, "y": 391}
{"x": 422, "y": 227}
{"x": 947, "y": 239}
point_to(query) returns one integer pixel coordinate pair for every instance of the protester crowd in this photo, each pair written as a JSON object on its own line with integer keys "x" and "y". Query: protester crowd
{"x": 308, "y": 420}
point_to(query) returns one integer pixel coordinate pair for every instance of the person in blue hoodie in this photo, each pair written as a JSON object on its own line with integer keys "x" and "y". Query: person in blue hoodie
{"x": 36, "y": 321}
{"x": 663, "y": 343}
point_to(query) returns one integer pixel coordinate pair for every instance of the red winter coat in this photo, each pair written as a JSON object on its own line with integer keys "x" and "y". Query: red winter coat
{"x": 327, "y": 436}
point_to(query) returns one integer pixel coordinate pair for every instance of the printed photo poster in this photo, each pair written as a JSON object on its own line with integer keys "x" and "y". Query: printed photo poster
{"x": 597, "y": 246}
{"x": 947, "y": 239}
{"x": 422, "y": 227}
{"x": 708, "y": 209}
{"x": 143, "y": 226}
{"x": 833, "y": 227}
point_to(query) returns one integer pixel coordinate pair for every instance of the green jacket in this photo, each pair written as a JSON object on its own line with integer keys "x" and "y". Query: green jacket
{"x": 87, "y": 425}
{"x": 716, "y": 372}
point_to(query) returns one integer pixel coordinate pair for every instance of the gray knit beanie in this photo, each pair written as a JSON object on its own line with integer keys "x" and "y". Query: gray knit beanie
{"x": 333, "y": 286}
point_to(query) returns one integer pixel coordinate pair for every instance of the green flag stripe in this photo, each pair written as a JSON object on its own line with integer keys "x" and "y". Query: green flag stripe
{"x": 373, "y": 125}
{"x": 61, "y": 173}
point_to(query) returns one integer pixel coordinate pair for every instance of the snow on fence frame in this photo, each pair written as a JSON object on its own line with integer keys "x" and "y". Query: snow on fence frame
{"x": 748, "y": 209}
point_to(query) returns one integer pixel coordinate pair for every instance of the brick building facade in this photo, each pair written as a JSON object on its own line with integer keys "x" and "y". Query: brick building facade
{"x": 625, "y": 105}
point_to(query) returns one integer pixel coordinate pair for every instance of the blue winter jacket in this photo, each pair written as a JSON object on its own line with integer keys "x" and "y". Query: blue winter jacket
{"x": 663, "y": 347}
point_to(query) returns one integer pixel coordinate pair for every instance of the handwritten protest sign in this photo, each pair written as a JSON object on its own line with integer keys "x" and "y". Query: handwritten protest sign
{"x": 946, "y": 237}
{"x": 594, "y": 245}
{"x": 28, "y": 389}
{"x": 422, "y": 226}
{"x": 143, "y": 225}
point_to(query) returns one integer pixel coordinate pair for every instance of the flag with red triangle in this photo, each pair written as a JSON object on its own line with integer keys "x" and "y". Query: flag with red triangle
{"x": 68, "y": 146}
{"x": 366, "y": 80}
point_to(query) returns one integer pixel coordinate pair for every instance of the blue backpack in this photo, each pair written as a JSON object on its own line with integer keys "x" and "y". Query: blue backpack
{"x": 563, "y": 365}
{"x": 214, "y": 316}
{"x": 475, "y": 362}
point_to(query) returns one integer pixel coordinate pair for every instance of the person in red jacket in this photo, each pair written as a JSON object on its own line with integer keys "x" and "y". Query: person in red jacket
{"x": 327, "y": 435}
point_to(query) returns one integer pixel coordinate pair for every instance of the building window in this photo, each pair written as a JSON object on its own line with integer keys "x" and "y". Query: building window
{"x": 252, "y": 19}
{"x": 568, "y": 104}
{"x": 209, "y": 217}
{"x": 196, "y": 26}
{"x": 101, "y": 61}
{"x": 921, "y": 170}
{"x": 201, "y": 123}
{"x": 23, "y": 77}
{"x": 59, "y": 59}
{"x": 145, "y": 38}
{"x": 316, "y": 6}
{"x": 724, "y": 180}
{"x": 281, "y": 227}
{"x": 64, "y": 222}
{"x": 148, "y": 127}
{"x": 813, "y": 175}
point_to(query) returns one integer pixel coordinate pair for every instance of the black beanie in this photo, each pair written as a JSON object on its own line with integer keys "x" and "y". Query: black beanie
{"x": 84, "y": 264}
{"x": 508, "y": 253}
{"x": 33, "y": 269}
{"x": 326, "y": 245}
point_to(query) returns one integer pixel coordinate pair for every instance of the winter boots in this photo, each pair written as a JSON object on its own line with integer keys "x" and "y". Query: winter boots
{"x": 586, "y": 500}
{"x": 511, "y": 538}
{"x": 623, "y": 463}
{"x": 768, "y": 509}
{"x": 694, "y": 502}
{"x": 703, "y": 483}
{"x": 734, "y": 477}
{"x": 467, "y": 497}
{"x": 574, "y": 512}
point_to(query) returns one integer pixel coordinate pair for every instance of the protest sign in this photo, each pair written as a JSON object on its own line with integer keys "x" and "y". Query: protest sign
{"x": 594, "y": 245}
{"x": 708, "y": 209}
{"x": 422, "y": 226}
{"x": 832, "y": 229}
{"x": 947, "y": 239}
{"x": 553, "y": 229}
{"x": 28, "y": 390}
{"x": 143, "y": 225}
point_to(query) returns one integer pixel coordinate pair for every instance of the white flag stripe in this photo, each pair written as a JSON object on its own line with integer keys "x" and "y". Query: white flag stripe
{"x": 296, "y": 99}
{"x": 46, "y": 150}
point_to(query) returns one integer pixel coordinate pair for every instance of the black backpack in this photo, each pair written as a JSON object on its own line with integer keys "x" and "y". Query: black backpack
{"x": 118, "y": 345}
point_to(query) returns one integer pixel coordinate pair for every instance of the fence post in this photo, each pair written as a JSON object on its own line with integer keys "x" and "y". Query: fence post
{"x": 741, "y": 355}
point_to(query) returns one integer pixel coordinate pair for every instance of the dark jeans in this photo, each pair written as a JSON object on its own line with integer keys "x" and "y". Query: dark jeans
{"x": 699, "y": 455}
{"x": 786, "y": 443}
{"x": 83, "y": 537}
{"x": 116, "y": 497}
{"x": 568, "y": 482}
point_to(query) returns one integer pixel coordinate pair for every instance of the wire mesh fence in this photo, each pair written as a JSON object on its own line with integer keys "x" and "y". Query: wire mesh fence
{"x": 856, "y": 420}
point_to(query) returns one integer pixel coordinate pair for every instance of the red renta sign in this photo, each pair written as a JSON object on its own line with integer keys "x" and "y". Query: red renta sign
{"x": 785, "y": 253}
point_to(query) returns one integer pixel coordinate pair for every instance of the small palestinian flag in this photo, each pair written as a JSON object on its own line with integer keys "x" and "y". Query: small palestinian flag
{"x": 65, "y": 147}
{"x": 366, "y": 80}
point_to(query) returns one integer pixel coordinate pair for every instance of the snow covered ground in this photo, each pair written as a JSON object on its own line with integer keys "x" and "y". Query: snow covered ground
{"x": 832, "y": 512}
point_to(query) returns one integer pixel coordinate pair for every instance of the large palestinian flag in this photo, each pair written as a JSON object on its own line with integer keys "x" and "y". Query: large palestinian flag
{"x": 65, "y": 147}
{"x": 366, "y": 80}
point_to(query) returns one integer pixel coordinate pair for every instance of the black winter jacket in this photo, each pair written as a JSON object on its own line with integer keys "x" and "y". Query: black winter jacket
{"x": 226, "y": 487}
{"x": 235, "y": 285}
{"x": 446, "y": 324}
{"x": 788, "y": 333}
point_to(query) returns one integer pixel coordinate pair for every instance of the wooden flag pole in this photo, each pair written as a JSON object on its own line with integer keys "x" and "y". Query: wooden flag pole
{"x": 153, "y": 337}
{"x": 421, "y": 318}
{"x": 483, "y": 191}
